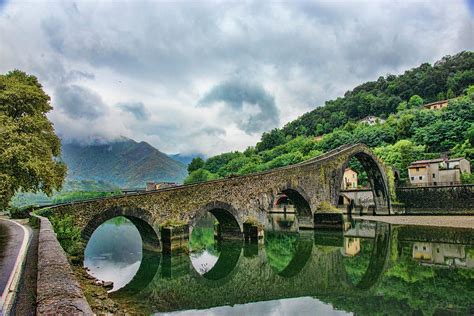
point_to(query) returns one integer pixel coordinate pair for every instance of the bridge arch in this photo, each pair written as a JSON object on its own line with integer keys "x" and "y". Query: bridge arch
{"x": 141, "y": 218}
{"x": 376, "y": 175}
{"x": 230, "y": 224}
{"x": 299, "y": 200}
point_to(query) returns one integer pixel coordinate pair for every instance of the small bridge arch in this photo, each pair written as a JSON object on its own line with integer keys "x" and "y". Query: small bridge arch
{"x": 230, "y": 223}
{"x": 141, "y": 218}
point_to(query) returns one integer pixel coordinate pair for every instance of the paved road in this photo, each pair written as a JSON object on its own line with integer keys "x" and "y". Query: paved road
{"x": 12, "y": 237}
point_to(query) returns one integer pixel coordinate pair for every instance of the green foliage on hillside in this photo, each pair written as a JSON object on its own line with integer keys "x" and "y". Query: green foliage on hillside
{"x": 408, "y": 135}
{"x": 28, "y": 145}
{"x": 447, "y": 78}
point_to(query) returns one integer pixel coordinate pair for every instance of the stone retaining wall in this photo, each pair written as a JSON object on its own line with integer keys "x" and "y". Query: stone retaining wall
{"x": 455, "y": 199}
{"x": 58, "y": 292}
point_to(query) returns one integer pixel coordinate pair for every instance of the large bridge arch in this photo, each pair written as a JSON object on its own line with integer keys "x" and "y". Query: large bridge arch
{"x": 377, "y": 177}
{"x": 142, "y": 219}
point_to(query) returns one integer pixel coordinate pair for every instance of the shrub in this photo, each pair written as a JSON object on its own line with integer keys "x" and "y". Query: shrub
{"x": 68, "y": 235}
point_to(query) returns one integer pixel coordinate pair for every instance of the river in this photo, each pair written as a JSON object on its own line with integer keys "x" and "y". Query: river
{"x": 365, "y": 268}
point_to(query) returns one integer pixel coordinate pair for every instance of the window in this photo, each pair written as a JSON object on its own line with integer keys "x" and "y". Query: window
{"x": 437, "y": 250}
{"x": 424, "y": 248}
{"x": 434, "y": 176}
{"x": 417, "y": 169}
{"x": 420, "y": 177}
{"x": 416, "y": 247}
{"x": 413, "y": 178}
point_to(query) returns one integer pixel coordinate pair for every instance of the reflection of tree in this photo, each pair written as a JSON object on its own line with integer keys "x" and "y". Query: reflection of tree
{"x": 202, "y": 238}
{"x": 357, "y": 265}
{"x": 427, "y": 288}
{"x": 119, "y": 220}
{"x": 280, "y": 248}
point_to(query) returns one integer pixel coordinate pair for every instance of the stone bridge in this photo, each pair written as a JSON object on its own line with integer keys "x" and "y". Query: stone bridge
{"x": 313, "y": 186}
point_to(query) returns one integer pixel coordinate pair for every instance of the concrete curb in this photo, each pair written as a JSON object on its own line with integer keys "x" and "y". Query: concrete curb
{"x": 57, "y": 292}
{"x": 8, "y": 297}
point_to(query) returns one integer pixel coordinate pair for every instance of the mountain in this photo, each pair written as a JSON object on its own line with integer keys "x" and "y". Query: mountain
{"x": 184, "y": 159}
{"x": 124, "y": 163}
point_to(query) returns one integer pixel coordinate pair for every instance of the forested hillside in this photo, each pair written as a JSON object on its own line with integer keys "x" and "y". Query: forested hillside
{"x": 123, "y": 163}
{"x": 409, "y": 133}
{"x": 445, "y": 79}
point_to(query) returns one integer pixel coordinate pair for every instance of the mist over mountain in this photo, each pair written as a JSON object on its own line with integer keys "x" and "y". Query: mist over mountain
{"x": 124, "y": 163}
{"x": 184, "y": 159}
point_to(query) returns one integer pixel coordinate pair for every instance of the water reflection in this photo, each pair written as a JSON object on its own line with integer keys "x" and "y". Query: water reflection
{"x": 114, "y": 252}
{"x": 289, "y": 306}
{"x": 366, "y": 268}
{"x": 213, "y": 260}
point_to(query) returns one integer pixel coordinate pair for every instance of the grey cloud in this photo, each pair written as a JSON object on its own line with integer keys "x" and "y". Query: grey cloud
{"x": 303, "y": 52}
{"x": 79, "y": 102}
{"x": 138, "y": 109}
{"x": 235, "y": 93}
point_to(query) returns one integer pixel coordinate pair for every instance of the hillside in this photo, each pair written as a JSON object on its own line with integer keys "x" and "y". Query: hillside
{"x": 123, "y": 163}
{"x": 409, "y": 132}
{"x": 445, "y": 79}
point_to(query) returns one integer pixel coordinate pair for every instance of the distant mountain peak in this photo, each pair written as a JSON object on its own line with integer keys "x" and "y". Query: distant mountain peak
{"x": 122, "y": 162}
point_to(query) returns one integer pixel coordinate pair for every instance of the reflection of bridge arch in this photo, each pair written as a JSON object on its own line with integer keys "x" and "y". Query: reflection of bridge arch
{"x": 376, "y": 176}
{"x": 224, "y": 268}
{"x": 230, "y": 225}
{"x": 378, "y": 259}
{"x": 142, "y": 220}
{"x": 302, "y": 255}
{"x": 146, "y": 273}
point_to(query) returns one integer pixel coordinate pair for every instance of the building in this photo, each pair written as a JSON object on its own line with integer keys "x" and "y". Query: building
{"x": 349, "y": 179}
{"x": 372, "y": 120}
{"x": 441, "y": 171}
{"x": 151, "y": 186}
{"x": 442, "y": 254}
{"x": 436, "y": 105}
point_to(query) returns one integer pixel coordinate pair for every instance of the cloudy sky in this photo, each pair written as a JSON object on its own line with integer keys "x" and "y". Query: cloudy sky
{"x": 207, "y": 77}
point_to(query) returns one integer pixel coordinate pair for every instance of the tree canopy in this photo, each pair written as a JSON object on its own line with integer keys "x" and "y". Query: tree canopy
{"x": 29, "y": 147}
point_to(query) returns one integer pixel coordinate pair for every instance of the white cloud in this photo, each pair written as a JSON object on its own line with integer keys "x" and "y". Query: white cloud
{"x": 162, "y": 59}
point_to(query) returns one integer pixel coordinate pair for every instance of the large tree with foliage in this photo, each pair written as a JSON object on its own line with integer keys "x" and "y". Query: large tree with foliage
{"x": 29, "y": 148}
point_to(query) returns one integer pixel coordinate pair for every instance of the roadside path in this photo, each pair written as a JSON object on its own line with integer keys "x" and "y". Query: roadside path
{"x": 435, "y": 220}
{"x": 14, "y": 240}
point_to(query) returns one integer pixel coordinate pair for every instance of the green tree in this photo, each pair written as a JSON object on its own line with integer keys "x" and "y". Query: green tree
{"x": 415, "y": 101}
{"x": 271, "y": 139}
{"x": 29, "y": 148}
{"x": 401, "y": 155}
{"x": 200, "y": 175}
{"x": 196, "y": 163}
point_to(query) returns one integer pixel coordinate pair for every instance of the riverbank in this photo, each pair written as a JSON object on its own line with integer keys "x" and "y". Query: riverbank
{"x": 422, "y": 220}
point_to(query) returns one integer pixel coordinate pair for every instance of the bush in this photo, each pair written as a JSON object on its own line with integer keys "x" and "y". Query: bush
{"x": 68, "y": 235}
{"x": 17, "y": 212}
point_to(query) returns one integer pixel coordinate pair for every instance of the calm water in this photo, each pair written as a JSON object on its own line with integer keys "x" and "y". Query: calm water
{"x": 365, "y": 269}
